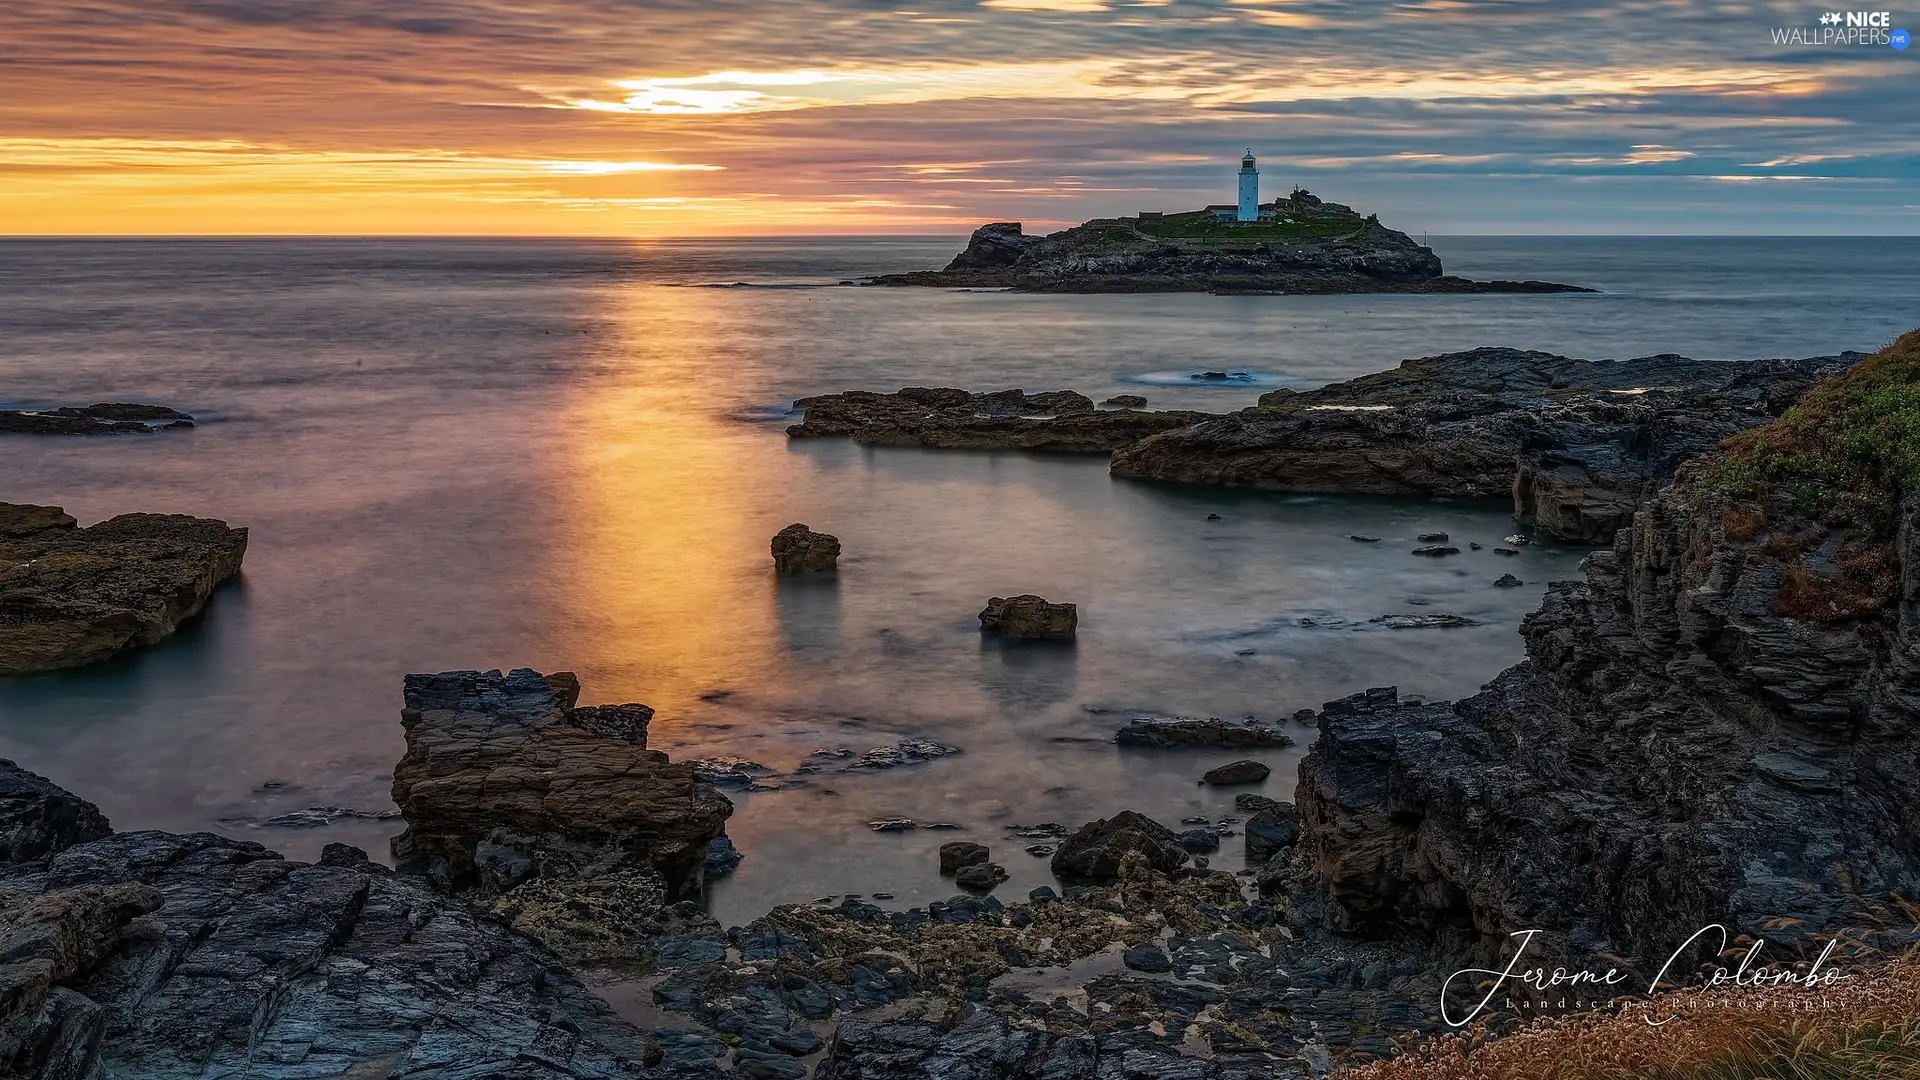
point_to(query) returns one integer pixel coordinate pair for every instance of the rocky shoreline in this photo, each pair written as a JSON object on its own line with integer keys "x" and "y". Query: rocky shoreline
{"x": 1719, "y": 725}
{"x": 1310, "y": 246}
{"x": 1576, "y": 444}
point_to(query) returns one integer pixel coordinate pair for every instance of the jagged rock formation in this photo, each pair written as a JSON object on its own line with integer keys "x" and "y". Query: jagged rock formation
{"x": 106, "y": 418}
{"x": 1060, "y": 421}
{"x": 507, "y": 786}
{"x": 799, "y": 550}
{"x": 1310, "y": 246}
{"x": 1577, "y": 443}
{"x": 72, "y": 596}
{"x": 1029, "y": 618}
{"x": 1146, "y": 731}
{"x": 1095, "y": 852}
{"x": 1717, "y": 726}
{"x": 172, "y": 957}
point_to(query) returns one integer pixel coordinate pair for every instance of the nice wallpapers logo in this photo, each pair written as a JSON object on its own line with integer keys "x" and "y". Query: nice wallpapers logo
{"x": 1846, "y": 28}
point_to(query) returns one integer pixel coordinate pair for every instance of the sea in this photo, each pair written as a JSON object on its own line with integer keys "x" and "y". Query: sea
{"x": 570, "y": 455}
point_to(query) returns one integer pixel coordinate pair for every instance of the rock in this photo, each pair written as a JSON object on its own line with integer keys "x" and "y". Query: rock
{"x": 1471, "y": 546}
{"x": 504, "y": 781}
{"x": 1436, "y": 550}
{"x": 1198, "y": 841}
{"x": 1248, "y": 800}
{"x": 1043, "y": 894}
{"x": 1094, "y": 852}
{"x": 1059, "y": 421}
{"x": 1315, "y": 247}
{"x": 1423, "y": 621}
{"x": 1505, "y": 551}
{"x": 960, "y": 854}
{"x": 1432, "y": 538}
{"x": 103, "y": 419}
{"x": 722, "y": 857}
{"x": 1237, "y": 772}
{"x": 1516, "y": 540}
{"x": 898, "y": 824}
{"x": 1305, "y": 716}
{"x": 799, "y": 550}
{"x": 1148, "y": 958}
{"x": 1029, "y": 618}
{"x": 1576, "y": 443}
{"x": 71, "y": 597}
{"x": 1270, "y": 831}
{"x": 154, "y": 955}
{"x": 39, "y": 819}
{"x": 981, "y": 876}
{"x": 1213, "y": 732}
{"x": 1126, "y": 401}
{"x": 1213, "y": 517}
{"x": 1508, "y": 581}
{"x": 1363, "y": 539}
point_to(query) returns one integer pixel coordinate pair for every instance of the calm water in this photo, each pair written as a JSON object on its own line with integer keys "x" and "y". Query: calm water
{"x": 568, "y": 455}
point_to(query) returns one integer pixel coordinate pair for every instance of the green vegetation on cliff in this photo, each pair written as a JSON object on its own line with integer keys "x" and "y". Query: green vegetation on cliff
{"x": 1857, "y": 435}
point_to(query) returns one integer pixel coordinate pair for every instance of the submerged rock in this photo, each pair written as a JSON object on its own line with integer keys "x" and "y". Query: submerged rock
{"x": 1238, "y": 772}
{"x": 106, "y": 418}
{"x": 982, "y": 876}
{"x": 961, "y": 854}
{"x": 1059, "y": 421}
{"x": 71, "y": 596}
{"x": 1195, "y": 732}
{"x": 799, "y": 550}
{"x": 1029, "y": 618}
{"x": 1423, "y": 621}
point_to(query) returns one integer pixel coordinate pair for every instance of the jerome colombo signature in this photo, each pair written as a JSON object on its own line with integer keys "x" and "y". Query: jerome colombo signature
{"x": 1750, "y": 972}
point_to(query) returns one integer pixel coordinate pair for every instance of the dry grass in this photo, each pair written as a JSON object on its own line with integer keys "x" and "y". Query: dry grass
{"x": 1866, "y": 1027}
{"x": 1741, "y": 521}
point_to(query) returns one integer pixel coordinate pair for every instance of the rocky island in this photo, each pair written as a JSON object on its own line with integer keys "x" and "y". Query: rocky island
{"x": 1300, "y": 244}
{"x": 71, "y": 596}
{"x": 104, "y": 418}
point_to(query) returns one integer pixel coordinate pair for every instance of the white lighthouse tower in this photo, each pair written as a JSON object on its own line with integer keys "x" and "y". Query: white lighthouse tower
{"x": 1249, "y": 209}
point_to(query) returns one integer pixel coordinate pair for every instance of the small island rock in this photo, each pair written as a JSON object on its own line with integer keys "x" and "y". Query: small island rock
{"x": 980, "y": 876}
{"x": 961, "y": 854}
{"x": 1029, "y": 618}
{"x": 799, "y": 550}
{"x": 1094, "y": 852}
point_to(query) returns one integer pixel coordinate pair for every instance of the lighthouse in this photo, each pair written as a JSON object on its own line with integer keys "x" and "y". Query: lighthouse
{"x": 1249, "y": 208}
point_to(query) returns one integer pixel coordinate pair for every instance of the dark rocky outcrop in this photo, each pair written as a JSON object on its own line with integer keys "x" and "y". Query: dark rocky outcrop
{"x": 154, "y": 955}
{"x": 1029, "y": 618}
{"x": 799, "y": 550}
{"x": 1060, "y": 421}
{"x": 106, "y": 418}
{"x": 1720, "y": 724}
{"x": 39, "y": 819}
{"x": 1272, "y": 830}
{"x": 1196, "y": 732}
{"x": 960, "y": 854}
{"x": 1126, "y": 401}
{"x": 1305, "y": 246}
{"x": 559, "y": 814}
{"x": 1094, "y": 853}
{"x": 71, "y": 596}
{"x": 1578, "y": 444}
{"x": 981, "y": 876}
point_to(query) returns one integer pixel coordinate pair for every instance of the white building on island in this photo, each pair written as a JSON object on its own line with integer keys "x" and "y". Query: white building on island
{"x": 1248, "y": 208}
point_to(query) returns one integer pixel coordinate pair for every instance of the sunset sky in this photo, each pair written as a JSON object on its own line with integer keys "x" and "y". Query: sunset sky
{"x": 690, "y": 117}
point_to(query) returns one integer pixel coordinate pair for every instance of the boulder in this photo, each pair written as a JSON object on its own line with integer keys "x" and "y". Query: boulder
{"x": 1094, "y": 852}
{"x": 1237, "y": 772}
{"x": 799, "y": 550}
{"x": 1126, "y": 401}
{"x": 1271, "y": 830}
{"x": 1029, "y": 618}
{"x": 71, "y": 596}
{"x": 1508, "y": 581}
{"x": 960, "y": 854}
{"x": 980, "y": 876}
{"x": 504, "y": 781}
